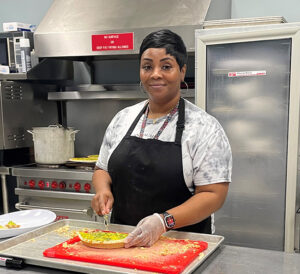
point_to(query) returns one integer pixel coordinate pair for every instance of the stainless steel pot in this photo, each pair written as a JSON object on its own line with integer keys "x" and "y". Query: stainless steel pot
{"x": 53, "y": 144}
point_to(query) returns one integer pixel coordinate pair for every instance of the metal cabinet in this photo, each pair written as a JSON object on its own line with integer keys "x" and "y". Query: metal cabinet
{"x": 248, "y": 78}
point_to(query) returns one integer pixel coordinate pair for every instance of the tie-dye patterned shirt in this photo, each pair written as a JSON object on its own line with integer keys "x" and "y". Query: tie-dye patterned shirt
{"x": 206, "y": 153}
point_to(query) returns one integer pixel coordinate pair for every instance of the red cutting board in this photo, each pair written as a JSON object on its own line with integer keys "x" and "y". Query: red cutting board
{"x": 167, "y": 255}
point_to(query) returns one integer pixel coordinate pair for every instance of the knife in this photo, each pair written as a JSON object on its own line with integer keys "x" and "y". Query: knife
{"x": 106, "y": 221}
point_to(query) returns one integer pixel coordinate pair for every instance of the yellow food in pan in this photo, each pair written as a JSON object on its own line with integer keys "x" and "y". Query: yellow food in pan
{"x": 93, "y": 156}
{"x": 83, "y": 160}
{"x": 87, "y": 159}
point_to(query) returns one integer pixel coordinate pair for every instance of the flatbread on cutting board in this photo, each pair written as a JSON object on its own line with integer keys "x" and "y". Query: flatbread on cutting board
{"x": 103, "y": 239}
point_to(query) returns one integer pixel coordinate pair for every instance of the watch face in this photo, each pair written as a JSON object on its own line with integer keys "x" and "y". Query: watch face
{"x": 170, "y": 222}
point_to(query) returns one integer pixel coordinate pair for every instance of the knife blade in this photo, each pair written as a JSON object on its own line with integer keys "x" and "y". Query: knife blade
{"x": 106, "y": 221}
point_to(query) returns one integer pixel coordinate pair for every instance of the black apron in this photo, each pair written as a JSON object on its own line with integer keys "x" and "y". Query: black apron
{"x": 147, "y": 177}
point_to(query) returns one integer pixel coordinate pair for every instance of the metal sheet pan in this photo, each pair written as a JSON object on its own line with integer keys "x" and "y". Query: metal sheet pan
{"x": 30, "y": 246}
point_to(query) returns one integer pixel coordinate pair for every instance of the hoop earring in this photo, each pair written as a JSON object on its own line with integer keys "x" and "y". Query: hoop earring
{"x": 187, "y": 88}
{"x": 141, "y": 88}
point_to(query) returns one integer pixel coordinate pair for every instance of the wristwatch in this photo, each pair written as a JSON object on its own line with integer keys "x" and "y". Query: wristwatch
{"x": 169, "y": 220}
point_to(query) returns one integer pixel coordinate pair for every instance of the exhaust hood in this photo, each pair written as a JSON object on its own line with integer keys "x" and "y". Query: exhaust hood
{"x": 74, "y": 28}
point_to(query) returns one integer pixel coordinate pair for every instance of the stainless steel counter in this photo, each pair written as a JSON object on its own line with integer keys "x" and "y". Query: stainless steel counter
{"x": 225, "y": 260}
{"x": 233, "y": 259}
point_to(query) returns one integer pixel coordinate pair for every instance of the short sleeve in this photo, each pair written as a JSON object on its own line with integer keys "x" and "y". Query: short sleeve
{"x": 214, "y": 163}
{"x": 106, "y": 146}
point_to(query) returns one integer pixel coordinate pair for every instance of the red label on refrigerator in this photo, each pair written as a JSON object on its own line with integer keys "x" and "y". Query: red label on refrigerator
{"x": 247, "y": 73}
{"x": 112, "y": 41}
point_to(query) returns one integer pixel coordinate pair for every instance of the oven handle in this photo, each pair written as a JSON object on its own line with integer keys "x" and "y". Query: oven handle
{"x": 88, "y": 211}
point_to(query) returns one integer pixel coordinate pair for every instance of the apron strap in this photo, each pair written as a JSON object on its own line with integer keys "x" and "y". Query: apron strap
{"x": 180, "y": 122}
{"x": 130, "y": 130}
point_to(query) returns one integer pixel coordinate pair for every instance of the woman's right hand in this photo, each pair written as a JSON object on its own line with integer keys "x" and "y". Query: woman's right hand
{"x": 102, "y": 202}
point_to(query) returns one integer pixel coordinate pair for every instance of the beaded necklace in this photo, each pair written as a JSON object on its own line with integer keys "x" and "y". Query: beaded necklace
{"x": 167, "y": 120}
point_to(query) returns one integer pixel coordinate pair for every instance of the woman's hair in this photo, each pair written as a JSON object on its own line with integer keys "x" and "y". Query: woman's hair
{"x": 169, "y": 40}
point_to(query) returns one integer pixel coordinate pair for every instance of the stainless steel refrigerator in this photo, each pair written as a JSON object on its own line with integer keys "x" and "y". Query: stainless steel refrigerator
{"x": 249, "y": 79}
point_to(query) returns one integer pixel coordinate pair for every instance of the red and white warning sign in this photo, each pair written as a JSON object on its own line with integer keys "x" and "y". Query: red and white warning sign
{"x": 247, "y": 73}
{"x": 113, "y": 41}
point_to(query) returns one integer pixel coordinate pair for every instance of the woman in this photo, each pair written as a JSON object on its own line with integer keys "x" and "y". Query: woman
{"x": 164, "y": 163}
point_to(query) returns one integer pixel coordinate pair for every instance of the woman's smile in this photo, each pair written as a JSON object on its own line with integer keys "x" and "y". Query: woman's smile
{"x": 157, "y": 85}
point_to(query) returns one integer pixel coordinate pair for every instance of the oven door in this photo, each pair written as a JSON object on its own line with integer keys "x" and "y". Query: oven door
{"x": 66, "y": 205}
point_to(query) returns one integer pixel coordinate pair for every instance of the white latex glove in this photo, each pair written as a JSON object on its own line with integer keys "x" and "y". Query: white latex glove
{"x": 147, "y": 231}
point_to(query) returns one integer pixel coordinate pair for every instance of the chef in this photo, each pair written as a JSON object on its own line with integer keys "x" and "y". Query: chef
{"x": 164, "y": 163}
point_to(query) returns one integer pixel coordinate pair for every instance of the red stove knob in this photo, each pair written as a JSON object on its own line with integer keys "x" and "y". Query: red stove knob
{"x": 62, "y": 185}
{"x": 87, "y": 187}
{"x": 41, "y": 184}
{"x": 77, "y": 186}
{"x": 54, "y": 185}
{"x": 31, "y": 183}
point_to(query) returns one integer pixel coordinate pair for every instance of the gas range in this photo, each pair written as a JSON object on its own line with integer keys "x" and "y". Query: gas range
{"x": 67, "y": 191}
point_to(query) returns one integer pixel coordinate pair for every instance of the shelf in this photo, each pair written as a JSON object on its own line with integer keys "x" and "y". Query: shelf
{"x": 46, "y": 70}
{"x": 102, "y": 95}
{"x": 13, "y": 76}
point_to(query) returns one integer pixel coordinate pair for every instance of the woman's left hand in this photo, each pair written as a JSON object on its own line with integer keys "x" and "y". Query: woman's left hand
{"x": 147, "y": 232}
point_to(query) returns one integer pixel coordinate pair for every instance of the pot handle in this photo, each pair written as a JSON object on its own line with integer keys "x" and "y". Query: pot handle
{"x": 31, "y": 132}
{"x": 72, "y": 134}
{"x": 74, "y": 131}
